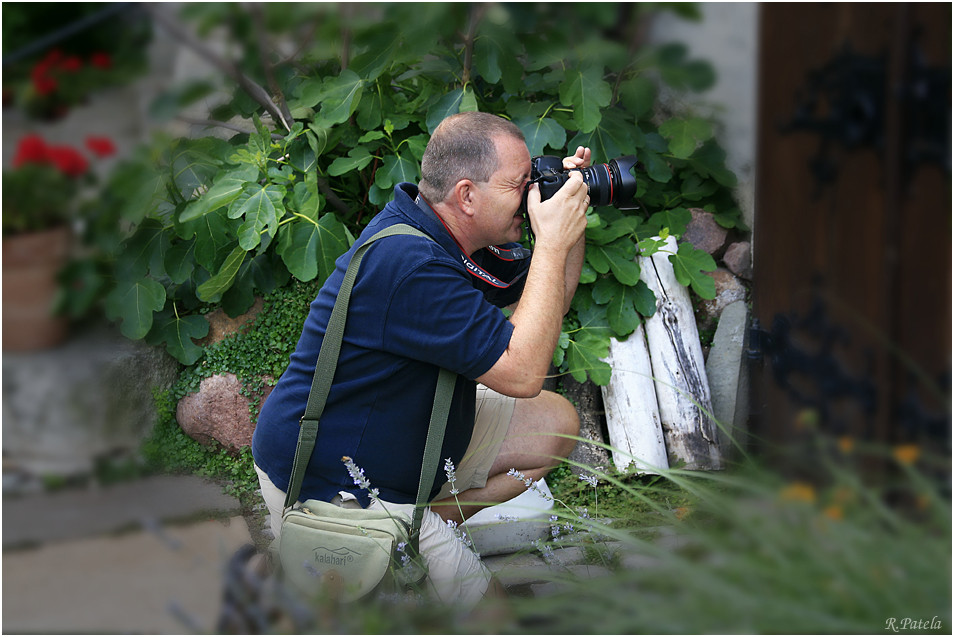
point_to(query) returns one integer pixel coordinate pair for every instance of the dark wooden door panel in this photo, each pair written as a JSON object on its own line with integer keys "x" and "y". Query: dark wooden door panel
{"x": 853, "y": 220}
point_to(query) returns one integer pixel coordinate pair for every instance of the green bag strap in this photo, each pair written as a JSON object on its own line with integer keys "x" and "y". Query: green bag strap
{"x": 324, "y": 374}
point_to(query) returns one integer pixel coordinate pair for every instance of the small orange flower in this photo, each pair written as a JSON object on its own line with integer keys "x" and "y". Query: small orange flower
{"x": 846, "y": 444}
{"x": 799, "y": 492}
{"x": 834, "y": 512}
{"x": 681, "y": 512}
{"x": 907, "y": 454}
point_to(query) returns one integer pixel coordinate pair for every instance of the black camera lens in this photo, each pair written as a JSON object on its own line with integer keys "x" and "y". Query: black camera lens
{"x": 610, "y": 184}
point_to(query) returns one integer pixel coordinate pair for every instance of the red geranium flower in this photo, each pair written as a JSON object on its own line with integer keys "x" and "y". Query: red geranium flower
{"x": 31, "y": 149}
{"x": 101, "y": 60}
{"x": 54, "y": 56}
{"x": 68, "y": 160}
{"x": 72, "y": 64}
{"x": 100, "y": 146}
{"x": 44, "y": 85}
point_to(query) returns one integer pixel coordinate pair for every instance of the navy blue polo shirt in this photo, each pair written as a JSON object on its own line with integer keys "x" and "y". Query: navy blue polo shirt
{"x": 415, "y": 307}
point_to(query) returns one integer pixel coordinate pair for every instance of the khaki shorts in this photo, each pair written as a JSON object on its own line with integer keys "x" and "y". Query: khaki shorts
{"x": 455, "y": 573}
{"x": 491, "y": 424}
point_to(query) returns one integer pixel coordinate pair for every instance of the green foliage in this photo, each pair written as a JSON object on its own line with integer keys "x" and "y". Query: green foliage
{"x": 746, "y": 550}
{"x": 257, "y": 356}
{"x": 614, "y": 500}
{"x": 217, "y": 221}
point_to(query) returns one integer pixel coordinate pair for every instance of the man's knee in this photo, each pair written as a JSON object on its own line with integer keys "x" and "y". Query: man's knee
{"x": 564, "y": 421}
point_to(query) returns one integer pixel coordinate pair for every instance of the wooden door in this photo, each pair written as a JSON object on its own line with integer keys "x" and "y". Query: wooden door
{"x": 852, "y": 237}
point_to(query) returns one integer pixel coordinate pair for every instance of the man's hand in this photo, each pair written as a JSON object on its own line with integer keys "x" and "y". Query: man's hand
{"x": 580, "y": 160}
{"x": 559, "y": 222}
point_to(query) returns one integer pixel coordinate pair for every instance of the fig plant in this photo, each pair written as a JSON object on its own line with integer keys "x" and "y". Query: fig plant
{"x": 334, "y": 109}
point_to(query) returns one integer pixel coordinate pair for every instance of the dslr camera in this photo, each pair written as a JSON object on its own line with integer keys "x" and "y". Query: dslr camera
{"x": 610, "y": 184}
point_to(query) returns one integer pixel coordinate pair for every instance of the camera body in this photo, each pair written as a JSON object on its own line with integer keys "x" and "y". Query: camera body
{"x": 612, "y": 183}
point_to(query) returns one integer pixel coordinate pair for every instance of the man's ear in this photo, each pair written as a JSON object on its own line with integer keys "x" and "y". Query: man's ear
{"x": 465, "y": 196}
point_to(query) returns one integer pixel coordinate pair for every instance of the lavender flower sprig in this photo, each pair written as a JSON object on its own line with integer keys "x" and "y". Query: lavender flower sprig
{"x": 451, "y": 476}
{"x": 357, "y": 474}
{"x": 529, "y": 483}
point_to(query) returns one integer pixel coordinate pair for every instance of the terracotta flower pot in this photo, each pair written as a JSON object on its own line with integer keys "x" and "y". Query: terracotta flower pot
{"x": 30, "y": 264}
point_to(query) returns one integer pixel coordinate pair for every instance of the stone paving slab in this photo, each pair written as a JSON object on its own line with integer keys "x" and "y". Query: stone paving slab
{"x": 167, "y": 580}
{"x": 76, "y": 513}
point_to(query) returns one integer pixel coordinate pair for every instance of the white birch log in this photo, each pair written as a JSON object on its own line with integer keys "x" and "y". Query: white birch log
{"x": 682, "y": 387}
{"x": 632, "y": 418}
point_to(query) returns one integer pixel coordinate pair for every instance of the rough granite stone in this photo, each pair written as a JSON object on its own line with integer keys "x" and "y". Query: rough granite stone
{"x": 219, "y": 412}
{"x": 703, "y": 232}
{"x": 738, "y": 258}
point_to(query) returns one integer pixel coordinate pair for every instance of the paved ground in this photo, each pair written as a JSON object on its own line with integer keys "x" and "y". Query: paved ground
{"x": 149, "y": 557}
{"x": 145, "y": 557}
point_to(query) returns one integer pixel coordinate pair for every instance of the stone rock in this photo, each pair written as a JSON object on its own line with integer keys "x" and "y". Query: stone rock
{"x": 729, "y": 289}
{"x": 703, "y": 232}
{"x": 218, "y": 412}
{"x": 222, "y": 325}
{"x": 89, "y": 399}
{"x": 728, "y": 381}
{"x": 738, "y": 258}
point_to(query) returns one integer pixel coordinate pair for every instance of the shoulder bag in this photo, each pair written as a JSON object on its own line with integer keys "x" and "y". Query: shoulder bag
{"x": 348, "y": 553}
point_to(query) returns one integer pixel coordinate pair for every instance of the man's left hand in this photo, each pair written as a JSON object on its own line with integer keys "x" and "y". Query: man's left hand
{"x": 580, "y": 160}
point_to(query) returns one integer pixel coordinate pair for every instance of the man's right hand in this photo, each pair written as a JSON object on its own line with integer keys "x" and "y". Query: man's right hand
{"x": 559, "y": 222}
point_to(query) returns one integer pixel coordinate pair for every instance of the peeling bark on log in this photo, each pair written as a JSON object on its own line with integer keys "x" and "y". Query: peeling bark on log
{"x": 632, "y": 415}
{"x": 586, "y": 397}
{"x": 682, "y": 387}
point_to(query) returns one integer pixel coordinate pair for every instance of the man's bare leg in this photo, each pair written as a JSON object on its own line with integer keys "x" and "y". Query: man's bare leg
{"x": 530, "y": 447}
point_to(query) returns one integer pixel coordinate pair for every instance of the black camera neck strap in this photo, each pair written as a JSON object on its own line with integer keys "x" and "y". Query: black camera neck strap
{"x": 515, "y": 253}
{"x": 321, "y": 386}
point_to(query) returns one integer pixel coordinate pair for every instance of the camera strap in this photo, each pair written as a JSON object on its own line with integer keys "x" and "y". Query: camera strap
{"x": 512, "y": 253}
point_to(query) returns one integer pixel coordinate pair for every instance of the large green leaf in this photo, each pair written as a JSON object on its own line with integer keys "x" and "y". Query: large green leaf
{"x": 145, "y": 250}
{"x": 497, "y": 53}
{"x": 309, "y": 249}
{"x": 306, "y": 200}
{"x": 213, "y": 238}
{"x": 621, "y": 311}
{"x": 685, "y": 134}
{"x": 259, "y": 206}
{"x": 690, "y": 266}
{"x": 379, "y": 55}
{"x": 241, "y": 294}
{"x": 357, "y": 159}
{"x": 709, "y": 161}
{"x": 645, "y": 299}
{"x": 612, "y": 138}
{"x": 339, "y": 98}
{"x": 222, "y": 193}
{"x": 180, "y": 261}
{"x": 638, "y": 95}
{"x": 617, "y": 257}
{"x": 695, "y": 188}
{"x": 178, "y": 332}
{"x": 193, "y": 166}
{"x": 656, "y": 167}
{"x": 540, "y": 133}
{"x": 675, "y": 219}
{"x": 212, "y": 290}
{"x": 134, "y": 302}
{"x": 584, "y": 356}
{"x": 585, "y": 91}
{"x": 446, "y": 106}
{"x": 394, "y": 170}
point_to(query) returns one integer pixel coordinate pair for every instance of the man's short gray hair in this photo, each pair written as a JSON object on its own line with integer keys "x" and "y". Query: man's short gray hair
{"x": 462, "y": 147}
